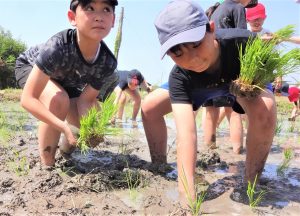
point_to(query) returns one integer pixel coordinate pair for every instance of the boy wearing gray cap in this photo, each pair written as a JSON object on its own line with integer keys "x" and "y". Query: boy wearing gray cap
{"x": 206, "y": 63}
{"x": 63, "y": 77}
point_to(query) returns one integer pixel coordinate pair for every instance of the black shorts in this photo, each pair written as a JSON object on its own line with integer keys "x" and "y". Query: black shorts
{"x": 22, "y": 72}
{"x": 224, "y": 101}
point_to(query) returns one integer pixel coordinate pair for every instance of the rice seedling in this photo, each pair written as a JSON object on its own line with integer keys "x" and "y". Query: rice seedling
{"x": 254, "y": 197}
{"x": 279, "y": 126}
{"x": 2, "y": 119}
{"x": 66, "y": 171}
{"x": 262, "y": 62}
{"x": 5, "y": 135}
{"x": 133, "y": 182}
{"x": 133, "y": 179}
{"x": 284, "y": 33}
{"x": 291, "y": 128}
{"x": 22, "y": 118}
{"x": 194, "y": 204}
{"x": 94, "y": 126}
{"x": 123, "y": 148}
{"x": 288, "y": 155}
{"x": 19, "y": 164}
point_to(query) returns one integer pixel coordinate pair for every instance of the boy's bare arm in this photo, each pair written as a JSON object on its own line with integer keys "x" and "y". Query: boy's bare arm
{"x": 294, "y": 39}
{"x": 30, "y": 99}
{"x": 186, "y": 145}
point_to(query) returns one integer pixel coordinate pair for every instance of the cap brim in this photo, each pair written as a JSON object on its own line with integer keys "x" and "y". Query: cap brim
{"x": 192, "y": 35}
{"x": 256, "y": 17}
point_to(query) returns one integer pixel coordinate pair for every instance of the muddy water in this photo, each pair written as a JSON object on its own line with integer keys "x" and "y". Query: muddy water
{"x": 223, "y": 177}
{"x": 98, "y": 183}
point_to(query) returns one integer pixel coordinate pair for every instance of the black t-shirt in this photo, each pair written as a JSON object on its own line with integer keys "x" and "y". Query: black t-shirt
{"x": 125, "y": 76}
{"x": 230, "y": 14}
{"x": 195, "y": 88}
{"x": 61, "y": 59}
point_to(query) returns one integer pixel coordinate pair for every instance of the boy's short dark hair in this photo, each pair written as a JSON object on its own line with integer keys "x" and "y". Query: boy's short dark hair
{"x": 251, "y": 4}
{"x": 74, "y": 3}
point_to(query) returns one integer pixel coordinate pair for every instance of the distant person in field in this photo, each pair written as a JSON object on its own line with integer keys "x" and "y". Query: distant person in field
{"x": 231, "y": 13}
{"x": 62, "y": 78}
{"x": 294, "y": 98}
{"x": 293, "y": 94}
{"x": 256, "y": 17}
{"x": 129, "y": 83}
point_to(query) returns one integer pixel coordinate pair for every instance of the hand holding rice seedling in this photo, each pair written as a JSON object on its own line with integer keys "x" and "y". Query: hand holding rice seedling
{"x": 262, "y": 62}
{"x": 94, "y": 126}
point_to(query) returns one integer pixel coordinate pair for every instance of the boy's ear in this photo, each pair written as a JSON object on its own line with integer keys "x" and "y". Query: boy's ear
{"x": 71, "y": 17}
{"x": 212, "y": 26}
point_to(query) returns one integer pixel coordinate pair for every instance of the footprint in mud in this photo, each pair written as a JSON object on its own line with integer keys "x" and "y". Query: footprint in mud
{"x": 112, "y": 179}
{"x": 18, "y": 202}
{"x": 208, "y": 158}
{"x": 6, "y": 185}
{"x": 215, "y": 190}
{"x": 239, "y": 195}
{"x": 221, "y": 186}
{"x": 5, "y": 214}
{"x": 48, "y": 182}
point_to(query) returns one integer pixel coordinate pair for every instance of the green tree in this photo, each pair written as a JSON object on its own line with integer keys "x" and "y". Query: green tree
{"x": 10, "y": 49}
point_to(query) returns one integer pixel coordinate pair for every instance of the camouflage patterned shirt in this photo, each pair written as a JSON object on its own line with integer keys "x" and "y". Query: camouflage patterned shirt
{"x": 61, "y": 59}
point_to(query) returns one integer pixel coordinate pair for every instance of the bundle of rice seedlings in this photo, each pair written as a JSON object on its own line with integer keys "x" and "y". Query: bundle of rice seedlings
{"x": 261, "y": 62}
{"x": 94, "y": 126}
{"x": 284, "y": 33}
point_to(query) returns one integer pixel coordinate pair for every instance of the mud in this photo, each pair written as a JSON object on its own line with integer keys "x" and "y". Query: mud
{"x": 117, "y": 178}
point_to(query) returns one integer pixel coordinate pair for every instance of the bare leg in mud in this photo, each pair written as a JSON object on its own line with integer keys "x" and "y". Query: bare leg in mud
{"x": 235, "y": 128}
{"x": 261, "y": 112}
{"x": 122, "y": 102}
{"x": 134, "y": 94}
{"x": 210, "y": 126}
{"x": 57, "y": 100}
{"x": 154, "y": 107}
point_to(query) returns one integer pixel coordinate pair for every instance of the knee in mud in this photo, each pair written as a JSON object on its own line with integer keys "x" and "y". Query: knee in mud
{"x": 60, "y": 103}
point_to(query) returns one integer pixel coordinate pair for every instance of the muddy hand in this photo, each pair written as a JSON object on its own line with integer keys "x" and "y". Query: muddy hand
{"x": 70, "y": 136}
{"x": 149, "y": 89}
{"x": 112, "y": 121}
{"x": 267, "y": 37}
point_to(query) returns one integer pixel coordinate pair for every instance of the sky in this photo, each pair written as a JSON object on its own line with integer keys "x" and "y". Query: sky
{"x": 35, "y": 21}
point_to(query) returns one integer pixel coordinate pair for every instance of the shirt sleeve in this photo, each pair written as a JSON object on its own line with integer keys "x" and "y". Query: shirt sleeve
{"x": 50, "y": 57}
{"x": 240, "y": 17}
{"x": 179, "y": 86}
{"x": 123, "y": 84}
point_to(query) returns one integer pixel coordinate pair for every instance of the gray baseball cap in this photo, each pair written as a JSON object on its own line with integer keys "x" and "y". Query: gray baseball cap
{"x": 181, "y": 21}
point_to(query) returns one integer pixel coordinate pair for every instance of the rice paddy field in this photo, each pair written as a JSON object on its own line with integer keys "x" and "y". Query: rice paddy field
{"x": 117, "y": 178}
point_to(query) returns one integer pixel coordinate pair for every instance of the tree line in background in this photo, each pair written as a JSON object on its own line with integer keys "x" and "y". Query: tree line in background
{"x": 10, "y": 49}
